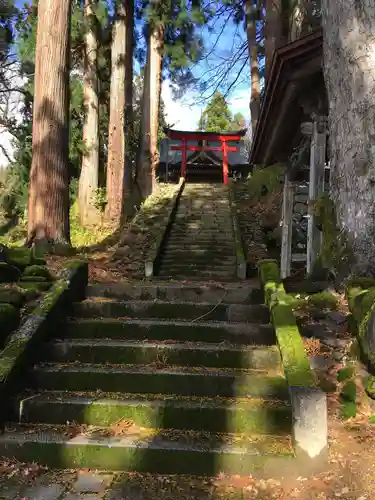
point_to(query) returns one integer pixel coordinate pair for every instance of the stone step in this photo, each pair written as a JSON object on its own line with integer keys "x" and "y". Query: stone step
{"x": 172, "y": 310}
{"x": 161, "y": 354}
{"x": 164, "y": 452}
{"x": 170, "y": 258}
{"x": 229, "y": 273}
{"x": 191, "y": 381}
{"x": 231, "y": 293}
{"x": 189, "y": 278}
{"x": 210, "y": 414}
{"x": 154, "y": 329}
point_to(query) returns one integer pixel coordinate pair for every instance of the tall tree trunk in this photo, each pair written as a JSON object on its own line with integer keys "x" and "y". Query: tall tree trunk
{"x": 253, "y": 54}
{"x": 48, "y": 212}
{"x": 273, "y": 32}
{"x": 88, "y": 181}
{"x": 349, "y": 71}
{"x": 118, "y": 181}
{"x": 148, "y": 154}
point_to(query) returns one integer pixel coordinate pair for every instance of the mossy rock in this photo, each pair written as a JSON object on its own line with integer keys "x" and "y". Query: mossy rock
{"x": 348, "y": 409}
{"x": 327, "y": 386}
{"x": 28, "y": 286}
{"x": 345, "y": 373}
{"x": 360, "y": 282}
{"x": 370, "y": 387}
{"x": 37, "y": 271}
{"x": 8, "y": 273}
{"x": 9, "y": 319}
{"x": 12, "y": 296}
{"x": 22, "y": 257}
{"x": 35, "y": 279}
{"x": 323, "y": 300}
{"x": 349, "y": 392}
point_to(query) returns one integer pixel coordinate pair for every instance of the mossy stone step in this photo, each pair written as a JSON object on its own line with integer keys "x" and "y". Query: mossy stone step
{"x": 238, "y": 333}
{"x": 235, "y": 293}
{"x": 162, "y": 452}
{"x": 210, "y": 415}
{"x": 177, "y": 380}
{"x": 183, "y": 354}
{"x": 172, "y": 310}
{"x": 197, "y": 273}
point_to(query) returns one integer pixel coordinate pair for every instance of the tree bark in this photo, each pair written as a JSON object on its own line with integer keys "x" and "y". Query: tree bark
{"x": 88, "y": 181}
{"x": 349, "y": 71}
{"x": 48, "y": 211}
{"x": 273, "y": 32}
{"x": 118, "y": 180}
{"x": 148, "y": 155}
{"x": 253, "y": 55}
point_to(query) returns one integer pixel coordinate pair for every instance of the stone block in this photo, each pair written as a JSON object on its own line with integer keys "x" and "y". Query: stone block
{"x": 78, "y": 496}
{"x": 309, "y": 427}
{"x": 40, "y": 492}
{"x": 92, "y": 483}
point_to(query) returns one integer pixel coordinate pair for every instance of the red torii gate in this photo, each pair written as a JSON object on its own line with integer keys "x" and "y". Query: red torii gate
{"x": 223, "y": 137}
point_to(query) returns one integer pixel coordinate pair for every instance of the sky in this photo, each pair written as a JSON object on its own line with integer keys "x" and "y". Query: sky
{"x": 185, "y": 112}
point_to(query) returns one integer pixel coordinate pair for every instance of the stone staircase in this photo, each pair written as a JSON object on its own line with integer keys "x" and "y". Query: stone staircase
{"x": 201, "y": 242}
{"x": 160, "y": 377}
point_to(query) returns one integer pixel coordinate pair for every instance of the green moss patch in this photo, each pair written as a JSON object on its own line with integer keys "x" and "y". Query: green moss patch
{"x": 37, "y": 271}
{"x": 349, "y": 391}
{"x": 8, "y": 273}
{"x": 12, "y": 296}
{"x": 370, "y": 387}
{"x": 17, "y": 351}
{"x": 323, "y": 300}
{"x": 345, "y": 373}
{"x": 9, "y": 320}
{"x": 335, "y": 252}
{"x": 265, "y": 181}
{"x": 348, "y": 409}
{"x": 294, "y": 357}
{"x": 22, "y": 257}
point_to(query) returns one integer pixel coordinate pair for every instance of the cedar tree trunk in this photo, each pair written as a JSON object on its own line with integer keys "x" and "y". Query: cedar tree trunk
{"x": 48, "y": 211}
{"x": 253, "y": 55}
{"x": 148, "y": 154}
{"x": 349, "y": 71}
{"x": 88, "y": 181}
{"x": 118, "y": 180}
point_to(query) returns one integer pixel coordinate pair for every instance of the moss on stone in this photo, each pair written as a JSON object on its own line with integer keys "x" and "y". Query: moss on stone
{"x": 265, "y": 181}
{"x": 8, "y": 273}
{"x": 335, "y": 252}
{"x": 12, "y": 296}
{"x": 360, "y": 282}
{"x": 34, "y": 286}
{"x": 9, "y": 319}
{"x": 349, "y": 391}
{"x": 19, "y": 257}
{"x": 348, "y": 409}
{"x": 295, "y": 361}
{"x": 345, "y": 373}
{"x": 323, "y": 300}
{"x": 34, "y": 279}
{"x": 370, "y": 386}
{"x": 9, "y": 356}
{"x": 38, "y": 272}
{"x": 294, "y": 357}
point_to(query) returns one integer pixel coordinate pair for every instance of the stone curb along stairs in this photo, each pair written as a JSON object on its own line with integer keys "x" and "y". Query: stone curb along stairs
{"x": 22, "y": 345}
{"x": 154, "y": 254}
{"x": 309, "y": 403}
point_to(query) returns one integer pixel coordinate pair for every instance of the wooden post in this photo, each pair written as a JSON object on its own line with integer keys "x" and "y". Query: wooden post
{"x": 225, "y": 162}
{"x": 184, "y": 158}
{"x": 287, "y": 227}
{"x": 316, "y": 187}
